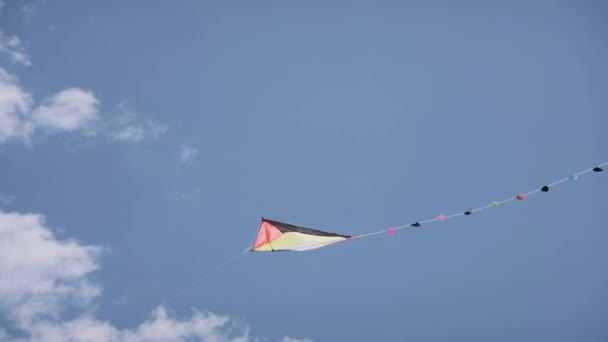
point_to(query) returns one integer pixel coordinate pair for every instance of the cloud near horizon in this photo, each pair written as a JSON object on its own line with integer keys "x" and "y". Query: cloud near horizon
{"x": 41, "y": 275}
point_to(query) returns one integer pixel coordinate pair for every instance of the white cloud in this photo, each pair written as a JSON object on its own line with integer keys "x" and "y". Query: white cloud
{"x": 12, "y": 46}
{"x": 160, "y": 327}
{"x": 128, "y": 129}
{"x": 70, "y": 110}
{"x": 187, "y": 153}
{"x": 40, "y": 275}
{"x": 38, "y": 272}
{"x": 15, "y": 105}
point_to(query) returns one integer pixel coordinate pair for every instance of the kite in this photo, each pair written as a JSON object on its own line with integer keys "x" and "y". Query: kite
{"x": 279, "y": 236}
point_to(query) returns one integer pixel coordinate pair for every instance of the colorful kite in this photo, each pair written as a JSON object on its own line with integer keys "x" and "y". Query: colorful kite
{"x": 279, "y": 236}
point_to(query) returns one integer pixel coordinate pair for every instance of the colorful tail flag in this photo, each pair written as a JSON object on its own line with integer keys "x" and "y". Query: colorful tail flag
{"x": 279, "y": 236}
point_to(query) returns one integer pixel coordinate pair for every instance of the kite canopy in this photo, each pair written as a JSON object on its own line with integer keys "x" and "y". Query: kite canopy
{"x": 279, "y": 236}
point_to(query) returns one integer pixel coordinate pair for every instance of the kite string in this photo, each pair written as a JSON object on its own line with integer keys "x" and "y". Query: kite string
{"x": 481, "y": 208}
{"x": 206, "y": 275}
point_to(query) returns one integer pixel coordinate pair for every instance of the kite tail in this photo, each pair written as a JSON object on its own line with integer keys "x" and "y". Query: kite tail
{"x": 520, "y": 197}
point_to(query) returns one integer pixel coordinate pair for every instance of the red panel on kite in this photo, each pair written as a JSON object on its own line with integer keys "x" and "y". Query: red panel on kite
{"x": 267, "y": 234}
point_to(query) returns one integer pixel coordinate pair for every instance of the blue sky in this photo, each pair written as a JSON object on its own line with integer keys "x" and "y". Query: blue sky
{"x": 141, "y": 141}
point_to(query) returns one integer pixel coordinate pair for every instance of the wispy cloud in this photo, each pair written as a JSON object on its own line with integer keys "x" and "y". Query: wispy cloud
{"x": 127, "y": 128}
{"x": 6, "y": 199}
{"x": 30, "y": 10}
{"x": 41, "y": 275}
{"x": 140, "y": 131}
{"x": 187, "y": 153}
{"x": 187, "y": 195}
{"x": 13, "y": 48}
{"x": 291, "y": 339}
{"x": 70, "y": 110}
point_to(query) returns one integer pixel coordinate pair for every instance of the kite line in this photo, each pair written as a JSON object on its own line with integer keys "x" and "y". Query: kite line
{"x": 205, "y": 276}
